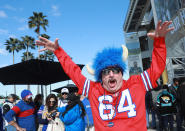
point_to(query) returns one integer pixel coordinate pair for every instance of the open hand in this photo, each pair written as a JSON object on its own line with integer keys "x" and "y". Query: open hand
{"x": 48, "y": 45}
{"x": 161, "y": 30}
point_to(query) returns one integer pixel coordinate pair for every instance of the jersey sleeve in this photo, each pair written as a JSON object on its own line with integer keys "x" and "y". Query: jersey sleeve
{"x": 9, "y": 116}
{"x": 150, "y": 76}
{"x": 39, "y": 116}
{"x": 73, "y": 71}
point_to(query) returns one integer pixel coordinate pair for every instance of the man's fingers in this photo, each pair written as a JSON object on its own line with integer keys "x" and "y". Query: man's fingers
{"x": 158, "y": 25}
{"x": 170, "y": 29}
{"x": 166, "y": 24}
{"x": 42, "y": 49}
{"x": 38, "y": 42}
{"x": 43, "y": 39}
{"x": 169, "y": 23}
{"x": 56, "y": 40}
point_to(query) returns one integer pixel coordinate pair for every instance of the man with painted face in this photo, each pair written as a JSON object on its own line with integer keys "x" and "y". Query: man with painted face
{"x": 116, "y": 104}
{"x": 24, "y": 112}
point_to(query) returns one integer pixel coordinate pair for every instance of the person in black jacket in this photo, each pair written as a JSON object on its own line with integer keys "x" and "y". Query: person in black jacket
{"x": 150, "y": 109}
{"x": 173, "y": 89}
{"x": 166, "y": 107}
{"x": 180, "y": 99}
{"x": 38, "y": 100}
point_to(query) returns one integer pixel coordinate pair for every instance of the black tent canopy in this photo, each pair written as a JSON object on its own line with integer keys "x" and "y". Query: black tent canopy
{"x": 33, "y": 72}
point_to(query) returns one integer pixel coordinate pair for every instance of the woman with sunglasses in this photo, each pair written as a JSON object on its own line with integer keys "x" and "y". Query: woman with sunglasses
{"x": 44, "y": 112}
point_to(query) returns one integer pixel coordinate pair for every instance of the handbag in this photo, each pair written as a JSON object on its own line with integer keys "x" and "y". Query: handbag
{"x": 56, "y": 125}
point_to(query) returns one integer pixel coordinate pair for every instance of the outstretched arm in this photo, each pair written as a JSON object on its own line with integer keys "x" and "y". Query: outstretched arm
{"x": 70, "y": 68}
{"x": 158, "y": 63}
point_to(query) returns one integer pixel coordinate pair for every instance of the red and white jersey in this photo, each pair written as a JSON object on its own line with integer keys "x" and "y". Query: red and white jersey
{"x": 125, "y": 108}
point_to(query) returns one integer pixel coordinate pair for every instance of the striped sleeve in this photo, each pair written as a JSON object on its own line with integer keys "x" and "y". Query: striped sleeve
{"x": 16, "y": 109}
{"x": 146, "y": 80}
{"x": 9, "y": 116}
{"x": 151, "y": 75}
{"x": 86, "y": 87}
{"x": 40, "y": 110}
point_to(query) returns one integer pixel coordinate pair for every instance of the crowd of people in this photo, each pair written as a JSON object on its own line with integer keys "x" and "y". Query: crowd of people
{"x": 116, "y": 104}
{"x": 167, "y": 103}
{"x": 66, "y": 113}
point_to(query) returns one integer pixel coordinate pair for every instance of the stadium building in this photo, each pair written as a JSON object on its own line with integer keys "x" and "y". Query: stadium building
{"x": 142, "y": 17}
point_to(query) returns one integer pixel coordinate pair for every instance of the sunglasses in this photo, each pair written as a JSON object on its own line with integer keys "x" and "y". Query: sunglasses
{"x": 115, "y": 70}
{"x": 52, "y": 101}
{"x": 64, "y": 93}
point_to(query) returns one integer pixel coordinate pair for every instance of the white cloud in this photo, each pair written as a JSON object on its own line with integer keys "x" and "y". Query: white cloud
{"x": 3, "y": 32}
{"x": 22, "y": 28}
{"x": 3, "y": 52}
{"x": 2, "y": 14}
{"x": 9, "y": 7}
{"x": 55, "y": 10}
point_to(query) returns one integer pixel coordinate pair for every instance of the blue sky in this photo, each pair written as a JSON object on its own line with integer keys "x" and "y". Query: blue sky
{"x": 83, "y": 26}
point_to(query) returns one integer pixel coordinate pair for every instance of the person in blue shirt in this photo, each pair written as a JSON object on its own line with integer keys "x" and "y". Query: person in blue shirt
{"x": 24, "y": 111}
{"x": 73, "y": 114}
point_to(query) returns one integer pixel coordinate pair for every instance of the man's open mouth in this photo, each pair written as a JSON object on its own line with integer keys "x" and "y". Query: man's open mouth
{"x": 112, "y": 83}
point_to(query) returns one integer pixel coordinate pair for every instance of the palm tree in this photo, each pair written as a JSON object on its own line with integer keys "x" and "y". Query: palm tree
{"x": 45, "y": 36}
{"x": 36, "y": 21}
{"x": 49, "y": 55}
{"x": 27, "y": 56}
{"x": 12, "y": 45}
{"x": 26, "y": 43}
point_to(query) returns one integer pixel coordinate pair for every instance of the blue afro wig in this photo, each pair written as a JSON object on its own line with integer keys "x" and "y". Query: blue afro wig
{"x": 106, "y": 58}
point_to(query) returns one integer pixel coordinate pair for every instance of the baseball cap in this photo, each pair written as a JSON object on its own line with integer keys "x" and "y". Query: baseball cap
{"x": 64, "y": 90}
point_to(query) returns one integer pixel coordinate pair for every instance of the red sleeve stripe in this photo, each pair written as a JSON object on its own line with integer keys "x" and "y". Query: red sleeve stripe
{"x": 16, "y": 109}
{"x": 148, "y": 79}
{"x": 26, "y": 113}
{"x": 144, "y": 81}
{"x": 86, "y": 88}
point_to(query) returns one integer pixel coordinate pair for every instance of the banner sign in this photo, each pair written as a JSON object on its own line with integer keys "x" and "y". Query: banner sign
{"x": 134, "y": 56}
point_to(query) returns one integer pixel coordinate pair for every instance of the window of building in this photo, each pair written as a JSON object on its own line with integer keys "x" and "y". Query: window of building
{"x": 146, "y": 63}
{"x": 143, "y": 40}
